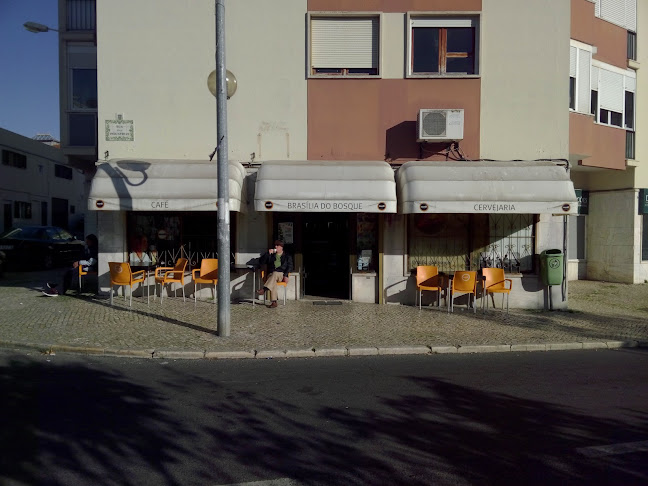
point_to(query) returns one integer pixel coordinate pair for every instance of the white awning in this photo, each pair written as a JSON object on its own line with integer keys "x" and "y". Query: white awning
{"x": 530, "y": 187}
{"x": 325, "y": 186}
{"x": 162, "y": 185}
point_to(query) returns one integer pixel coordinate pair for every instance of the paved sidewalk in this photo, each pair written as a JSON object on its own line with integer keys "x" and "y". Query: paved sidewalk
{"x": 601, "y": 315}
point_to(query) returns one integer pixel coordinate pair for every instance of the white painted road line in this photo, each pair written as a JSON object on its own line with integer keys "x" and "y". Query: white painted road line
{"x": 614, "y": 449}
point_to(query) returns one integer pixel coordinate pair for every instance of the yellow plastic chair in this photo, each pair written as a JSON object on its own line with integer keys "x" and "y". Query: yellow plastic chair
{"x": 427, "y": 279}
{"x": 167, "y": 275}
{"x": 83, "y": 273}
{"x": 122, "y": 275}
{"x": 464, "y": 282}
{"x": 495, "y": 283}
{"x": 206, "y": 274}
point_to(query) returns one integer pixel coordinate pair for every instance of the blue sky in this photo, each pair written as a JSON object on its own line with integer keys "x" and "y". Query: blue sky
{"x": 29, "y": 96}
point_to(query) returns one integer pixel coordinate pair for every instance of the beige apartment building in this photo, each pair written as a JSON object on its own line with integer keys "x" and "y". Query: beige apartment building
{"x": 371, "y": 136}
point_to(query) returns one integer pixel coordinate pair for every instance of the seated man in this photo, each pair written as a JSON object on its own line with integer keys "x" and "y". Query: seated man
{"x": 280, "y": 265}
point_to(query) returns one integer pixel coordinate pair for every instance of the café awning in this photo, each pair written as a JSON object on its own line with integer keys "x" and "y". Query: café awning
{"x": 162, "y": 185}
{"x": 529, "y": 187}
{"x": 325, "y": 186}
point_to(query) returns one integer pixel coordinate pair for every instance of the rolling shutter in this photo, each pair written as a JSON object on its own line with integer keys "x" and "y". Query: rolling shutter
{"x": 344, "y": 42}
{"x": 583, "y": 81}
{"x": 611, "y": 91}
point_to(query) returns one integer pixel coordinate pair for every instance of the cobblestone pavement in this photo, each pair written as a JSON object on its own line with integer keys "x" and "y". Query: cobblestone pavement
{"x": 599, "y": 312}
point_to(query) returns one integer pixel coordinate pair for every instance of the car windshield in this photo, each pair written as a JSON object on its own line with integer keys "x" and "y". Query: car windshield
{"x": 12, "y": 233}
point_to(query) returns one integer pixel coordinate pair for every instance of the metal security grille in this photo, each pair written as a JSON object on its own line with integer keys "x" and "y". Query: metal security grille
{"x": 472, "y": 241}
{"x": 441, "y": 240}
{"x": 511, "y": 243}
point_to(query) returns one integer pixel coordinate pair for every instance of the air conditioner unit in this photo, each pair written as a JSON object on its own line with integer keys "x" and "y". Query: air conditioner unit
{"x": 439, "y": 125}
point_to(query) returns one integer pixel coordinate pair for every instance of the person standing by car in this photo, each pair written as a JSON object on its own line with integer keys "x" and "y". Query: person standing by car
{"x": 90, "y": 262}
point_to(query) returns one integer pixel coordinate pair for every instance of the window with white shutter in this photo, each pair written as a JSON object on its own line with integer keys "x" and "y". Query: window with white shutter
{"x": 580, "y": 70}
{"x": 620, "y": 12}
{"x": 344, "y": 46}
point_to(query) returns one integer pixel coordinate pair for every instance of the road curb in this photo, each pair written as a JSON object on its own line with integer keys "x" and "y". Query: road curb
{"x": 314, "y": 352}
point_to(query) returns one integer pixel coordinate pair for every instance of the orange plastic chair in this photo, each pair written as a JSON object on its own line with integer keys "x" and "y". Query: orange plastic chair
{"x": 83, "y": 273}
{"x": 206, "y": 274}
{"x": 283, "y": 284}
{"x": 427, "y": 278}
{"x": 122, "y": 275}
{"x": 167, "y": 275}
{"x": 495, "y": 283}
{"x": 464, "y": 282}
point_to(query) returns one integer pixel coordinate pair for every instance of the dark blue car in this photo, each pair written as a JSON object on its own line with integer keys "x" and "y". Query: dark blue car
{"x": 40, "y": 247}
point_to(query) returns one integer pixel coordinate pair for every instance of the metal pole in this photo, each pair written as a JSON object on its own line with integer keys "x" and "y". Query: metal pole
{"x": 223, "y": 176}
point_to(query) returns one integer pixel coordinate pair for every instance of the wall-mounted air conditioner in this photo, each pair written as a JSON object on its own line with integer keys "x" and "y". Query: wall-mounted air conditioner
{"x": 439, "y": 125}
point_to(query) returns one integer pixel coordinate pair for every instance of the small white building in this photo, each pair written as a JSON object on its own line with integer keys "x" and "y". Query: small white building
{"x": 37, "y": 187}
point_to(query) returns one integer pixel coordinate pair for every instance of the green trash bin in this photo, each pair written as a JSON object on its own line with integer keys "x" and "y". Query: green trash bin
{"x": 551, "y": 267}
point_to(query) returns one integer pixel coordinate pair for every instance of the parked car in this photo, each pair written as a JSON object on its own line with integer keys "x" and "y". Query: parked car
{"x": 40, "y": 246}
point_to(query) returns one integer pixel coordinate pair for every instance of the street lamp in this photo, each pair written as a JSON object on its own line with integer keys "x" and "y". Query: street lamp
{"x": 37, "y": 28}
{"x": 230, "y": 79}
{"x": 223, "y": 228}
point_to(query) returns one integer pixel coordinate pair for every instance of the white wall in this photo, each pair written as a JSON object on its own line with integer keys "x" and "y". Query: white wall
{"x": 37, "y": 182}
{"x": 157, "y": 76}
{"x": 524, "y": 67}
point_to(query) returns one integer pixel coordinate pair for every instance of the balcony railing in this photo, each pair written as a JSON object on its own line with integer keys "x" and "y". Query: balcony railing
{"x": 81, "y": 15}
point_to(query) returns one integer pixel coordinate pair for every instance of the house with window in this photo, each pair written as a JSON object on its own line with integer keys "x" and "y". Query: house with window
{"x": 371, "y": 136}
{"x": 37, "y": 187}
{"x": 608, "y": 239}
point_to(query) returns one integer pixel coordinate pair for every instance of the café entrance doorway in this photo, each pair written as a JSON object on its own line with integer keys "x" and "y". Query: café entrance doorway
{"x": 325, "y": 249}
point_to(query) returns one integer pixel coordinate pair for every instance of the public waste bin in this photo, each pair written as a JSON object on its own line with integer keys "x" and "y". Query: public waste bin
{"x": 551, "y": 267}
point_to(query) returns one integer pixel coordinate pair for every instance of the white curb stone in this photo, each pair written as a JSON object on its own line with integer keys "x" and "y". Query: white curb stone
{"x": 325, "y": 352}
{"x": 594, "y": 345}
{"x": 300, "y": 353}
{"x": 443, "y": 349}
{"x": 493, "y": 348}
{"x": 404, "y": 350}
{"x": 359, "y": 351}
{"x": 528, "y": 347}
{"x": 270, "y": 353}
{"x": 65, "y": 348}
{"x": 564, "y": 346}
{"x": 178, "y": 354}
{"x": 133, "y": 353}
{"x": 622, "y": 344}
{"x": 229, "y": 354}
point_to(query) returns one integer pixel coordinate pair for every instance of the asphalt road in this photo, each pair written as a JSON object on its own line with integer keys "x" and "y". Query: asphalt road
{"x": 565, "y": 417}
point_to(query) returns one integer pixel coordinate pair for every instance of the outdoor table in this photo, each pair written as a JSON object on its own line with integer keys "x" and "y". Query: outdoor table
{"x": 136, "y": 267}
{"x": 254, "y": 268}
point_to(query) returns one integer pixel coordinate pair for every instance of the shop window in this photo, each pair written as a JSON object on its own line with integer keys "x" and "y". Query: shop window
{"x": 22, "y": 210}
{"x": 344, "y": 45}
{"x": 14, "y": 159}
{"x": 472, "y": 241}
{"x": 165, "y": 237}
{"x": 443, "y": 46}
{"x": 644, "y": 238}
{"x": 366, "y": 242}
{"x": 576, "y": 238}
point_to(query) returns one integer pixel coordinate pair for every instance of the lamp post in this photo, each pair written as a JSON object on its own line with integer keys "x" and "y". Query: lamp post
{"x": 223, "y": 228}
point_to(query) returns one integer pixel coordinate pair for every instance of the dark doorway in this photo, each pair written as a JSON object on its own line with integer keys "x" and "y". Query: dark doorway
{"x": 8, "y": 217}
{"x": 60, "y": 212}
{"x": 325, "y": 246}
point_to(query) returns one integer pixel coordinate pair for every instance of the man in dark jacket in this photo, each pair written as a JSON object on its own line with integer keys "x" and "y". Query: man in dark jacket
{"x": 280, "y": 265}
